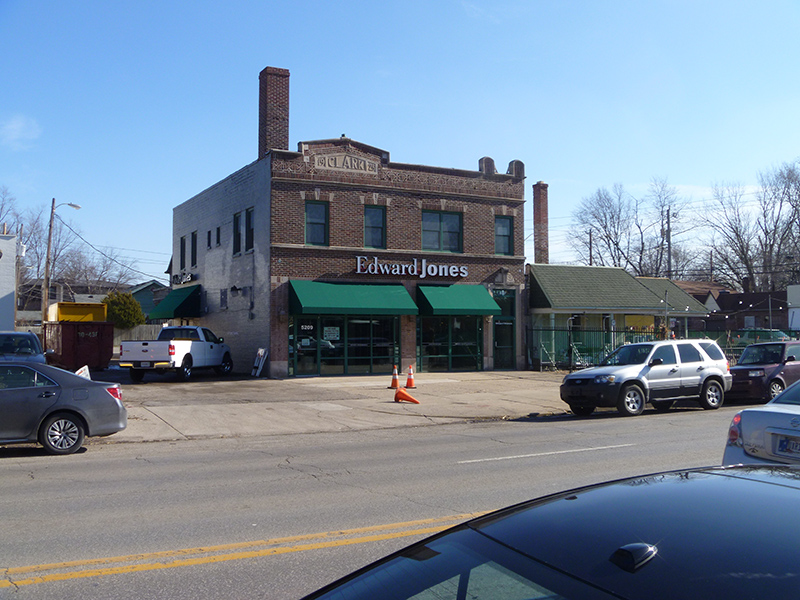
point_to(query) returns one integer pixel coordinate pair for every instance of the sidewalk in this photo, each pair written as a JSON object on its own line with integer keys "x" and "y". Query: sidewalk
{"x": 162, "y": 409}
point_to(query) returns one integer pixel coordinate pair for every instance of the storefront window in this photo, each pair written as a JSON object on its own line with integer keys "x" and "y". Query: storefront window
{"x": 450, "y": 343}
{"x": 332, "y": 345}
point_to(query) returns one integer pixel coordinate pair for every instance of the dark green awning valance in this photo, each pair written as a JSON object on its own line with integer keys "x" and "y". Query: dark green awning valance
{"x": 180, "y": 302}
{"x": 460, "y": 299}
{"x": 319, "y": 298}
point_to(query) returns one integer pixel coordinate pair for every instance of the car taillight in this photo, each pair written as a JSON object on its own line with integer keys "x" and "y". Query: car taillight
{"x": 735, "y": 430}
{"x": 115, "y": 391}
{"x": 171, "y": 349}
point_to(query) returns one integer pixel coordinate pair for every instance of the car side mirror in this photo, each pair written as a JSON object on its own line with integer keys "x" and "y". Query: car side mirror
{"x": 790, "y": 358}
{"x": 49, "y": 351}
{"x": 655, "y": 362}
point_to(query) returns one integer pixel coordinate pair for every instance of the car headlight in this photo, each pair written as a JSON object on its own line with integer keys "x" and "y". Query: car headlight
{"x": 756, "y": 373}
{"x": 604, "y": 379}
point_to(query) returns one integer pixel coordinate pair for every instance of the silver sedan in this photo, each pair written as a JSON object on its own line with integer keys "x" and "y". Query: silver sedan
{"x": 56, "y": 408}
{"x": 767, "y": 434}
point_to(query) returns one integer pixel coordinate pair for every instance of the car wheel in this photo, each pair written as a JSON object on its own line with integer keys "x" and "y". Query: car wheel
{"x": 136, "y": 375}
{"x": 185, "y": 372}
{"x": 775, "y": 388}
{"x": 61, "y": 434}
{"x": 631, "y": 400}
{"x": 581, "y": 411}
{"x": 712, "y": 395}
{"x": 226, "y": 367}
{"x": 662, "y": 405}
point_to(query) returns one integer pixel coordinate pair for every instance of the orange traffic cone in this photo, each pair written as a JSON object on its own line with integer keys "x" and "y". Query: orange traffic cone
{"x": 410, "y": 381}
{"x": 395, "y": 381}
{"x": 401, "y": 395}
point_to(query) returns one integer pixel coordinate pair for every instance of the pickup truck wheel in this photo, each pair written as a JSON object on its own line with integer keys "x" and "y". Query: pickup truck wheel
{"x": 226, "y": 367}
{"x": 712, "y": 395}
{"x": 631, "y": 400}
{"x": 185, "y": 372}
{"x": 581, "y": 411}
{"x": 136, "y": 375}
{"x": 61, "y": 434}
{"x": 662, "y": 405}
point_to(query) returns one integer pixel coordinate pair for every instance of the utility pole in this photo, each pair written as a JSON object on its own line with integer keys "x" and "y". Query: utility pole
{"x": 669, "y": 246}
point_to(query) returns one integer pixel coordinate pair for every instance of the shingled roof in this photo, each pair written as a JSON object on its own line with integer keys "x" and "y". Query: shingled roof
{"x": 679, "y": 300}
{"x": 572, "y": 288}
{"x": 580, "y": 288}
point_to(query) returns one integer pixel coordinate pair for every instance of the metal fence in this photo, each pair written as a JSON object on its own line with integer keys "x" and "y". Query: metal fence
{"x": 563, "y": 348}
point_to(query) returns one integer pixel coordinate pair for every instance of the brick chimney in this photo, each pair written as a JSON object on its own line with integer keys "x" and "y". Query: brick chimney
{"x": 273, "y": 110}
{"x": 541, "y": 239}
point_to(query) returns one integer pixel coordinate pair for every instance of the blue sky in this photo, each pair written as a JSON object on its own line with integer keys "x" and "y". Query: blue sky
{"x": 130, "y": 108}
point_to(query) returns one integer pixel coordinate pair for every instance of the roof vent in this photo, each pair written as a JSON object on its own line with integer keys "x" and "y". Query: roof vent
{"x": 632, "y": 557}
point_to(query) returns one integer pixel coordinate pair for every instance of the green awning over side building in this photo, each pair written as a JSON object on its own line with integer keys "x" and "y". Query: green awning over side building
{"x": 319, "y": 298}
{"x": 180, "y": 302}
{"x": 462, "y": 299}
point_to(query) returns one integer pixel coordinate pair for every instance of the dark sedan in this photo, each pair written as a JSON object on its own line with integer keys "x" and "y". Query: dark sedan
{"x": 58, "y": 409}
{"x": 765, "y": 370}
{"x": 699, "y": 533}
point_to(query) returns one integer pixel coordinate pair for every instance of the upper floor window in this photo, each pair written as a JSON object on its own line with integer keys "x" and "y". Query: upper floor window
{"x": 248, "y": 229}
{"x": 503, "y": 235}
{"x": 194, "y": 249}
{"x": 375, "y": 227}
{"x": 441, "y": 231}
{"x": 237, "y": 233}
{"x": 183, "y": 252}
{"x": 219, "y": 236}
{"x": 317, "y": 223}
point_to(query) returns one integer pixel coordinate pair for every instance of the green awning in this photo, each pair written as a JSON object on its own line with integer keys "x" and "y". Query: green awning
{"x": 180, "y": 302}
{"x": 461, "y": 299}
{"x": 318, "y": 298}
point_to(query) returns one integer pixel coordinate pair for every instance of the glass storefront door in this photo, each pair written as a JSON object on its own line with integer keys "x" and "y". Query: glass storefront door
{"x": 505, "y": 326}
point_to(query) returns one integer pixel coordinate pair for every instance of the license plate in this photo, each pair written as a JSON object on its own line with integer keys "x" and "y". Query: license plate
{"x": 144, "y": 365}
{"x": 787, "y": 445}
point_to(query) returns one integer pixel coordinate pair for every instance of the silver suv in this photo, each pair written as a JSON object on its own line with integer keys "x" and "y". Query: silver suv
{"x": 655, "y": 372}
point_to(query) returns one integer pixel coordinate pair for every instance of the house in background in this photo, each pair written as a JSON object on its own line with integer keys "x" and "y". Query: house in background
{"x": 750, "y": 310}
{"x": 577, "y": 314}
{"x": 148, "y": 293}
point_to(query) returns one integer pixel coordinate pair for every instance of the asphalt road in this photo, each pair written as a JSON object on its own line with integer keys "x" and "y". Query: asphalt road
{"x": 278, "y": 516}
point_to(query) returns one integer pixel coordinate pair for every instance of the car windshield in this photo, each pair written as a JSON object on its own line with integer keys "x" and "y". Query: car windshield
{"x": 462, "y": 564}
{"x": 762, "y": 354}
{"x": 17, "y": 344}
{"x": 633, "y": 354}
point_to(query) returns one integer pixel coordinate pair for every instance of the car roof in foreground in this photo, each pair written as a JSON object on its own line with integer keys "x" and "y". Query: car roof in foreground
{"x": 717, "y": 531}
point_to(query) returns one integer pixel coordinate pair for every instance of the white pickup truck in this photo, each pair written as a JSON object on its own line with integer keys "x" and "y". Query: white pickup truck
{"x": 178, "y": 349}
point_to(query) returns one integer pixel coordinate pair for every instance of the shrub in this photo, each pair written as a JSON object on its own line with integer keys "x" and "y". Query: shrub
{"x": 123, "y": 310}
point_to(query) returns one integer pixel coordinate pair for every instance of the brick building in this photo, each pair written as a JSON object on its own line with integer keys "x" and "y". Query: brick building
{"x": 339, "y": 261}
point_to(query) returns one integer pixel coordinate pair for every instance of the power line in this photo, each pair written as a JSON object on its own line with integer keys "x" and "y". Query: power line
{"x": 111, "y": 258}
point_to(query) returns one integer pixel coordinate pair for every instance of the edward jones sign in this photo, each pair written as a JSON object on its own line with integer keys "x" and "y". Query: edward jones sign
{"x": 366, "y": 265}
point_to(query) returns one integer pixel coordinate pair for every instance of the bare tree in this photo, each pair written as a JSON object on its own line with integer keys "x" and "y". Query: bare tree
{"x": 73, "y": 261}
{"x": 635, "y": 233}
{"x": 8, "y": 208}
{"x": 755, "y": 244}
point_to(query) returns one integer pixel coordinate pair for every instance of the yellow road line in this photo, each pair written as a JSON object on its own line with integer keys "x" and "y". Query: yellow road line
{"x": 226, "y": 552}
